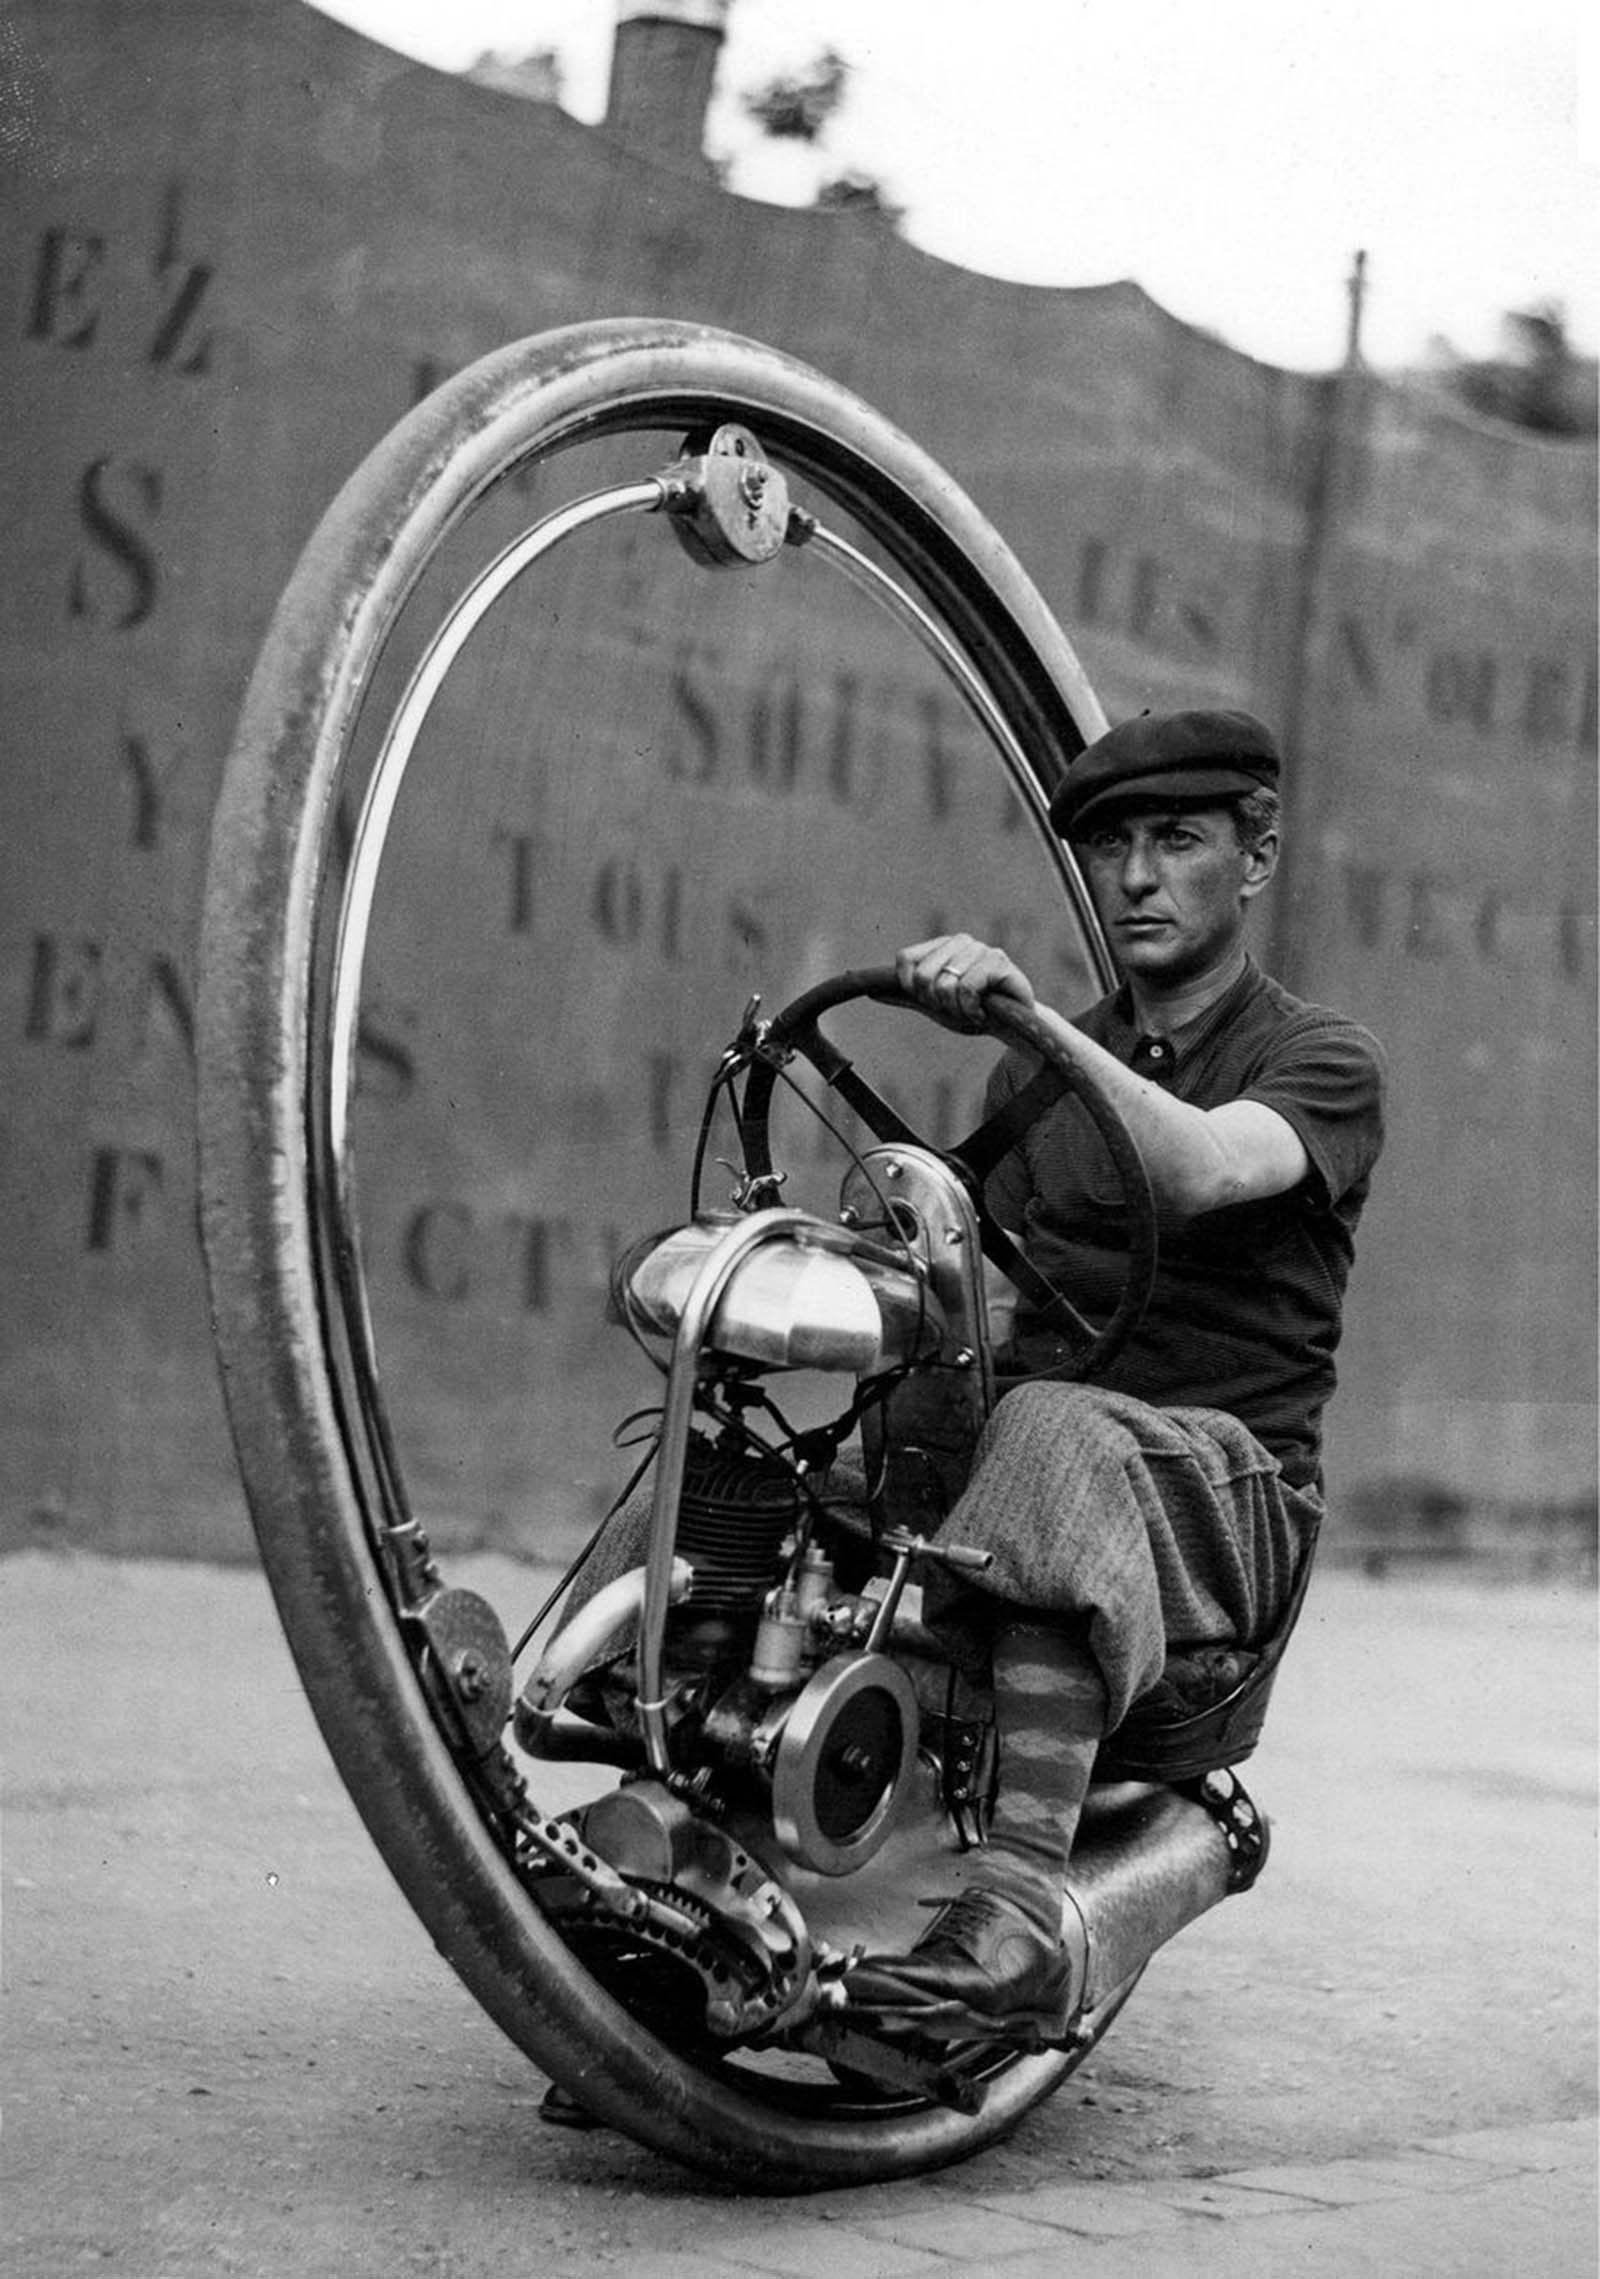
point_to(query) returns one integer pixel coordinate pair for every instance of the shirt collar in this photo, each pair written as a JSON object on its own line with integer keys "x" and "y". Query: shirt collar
{"x": 1181, "y": 1045}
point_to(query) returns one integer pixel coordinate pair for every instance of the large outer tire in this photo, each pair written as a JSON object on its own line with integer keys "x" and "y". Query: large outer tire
{"x": 270, "y": 855}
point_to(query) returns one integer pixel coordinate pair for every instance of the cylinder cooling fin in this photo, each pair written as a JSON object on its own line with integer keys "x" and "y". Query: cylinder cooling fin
{"x": 734, "y": 1512}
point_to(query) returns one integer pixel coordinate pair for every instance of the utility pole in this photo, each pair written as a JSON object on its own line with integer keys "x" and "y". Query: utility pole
{"x": 1356, "y": 292}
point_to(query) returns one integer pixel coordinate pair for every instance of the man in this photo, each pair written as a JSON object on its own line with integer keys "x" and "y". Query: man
{"x": 1171, "y": 1502}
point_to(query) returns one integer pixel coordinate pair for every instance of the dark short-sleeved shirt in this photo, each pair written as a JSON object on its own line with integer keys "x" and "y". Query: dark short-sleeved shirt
{"x": 1246, "y": 1311}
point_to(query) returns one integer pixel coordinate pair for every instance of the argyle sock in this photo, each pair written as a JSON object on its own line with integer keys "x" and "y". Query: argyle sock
{"x": 1050, "y": 1706}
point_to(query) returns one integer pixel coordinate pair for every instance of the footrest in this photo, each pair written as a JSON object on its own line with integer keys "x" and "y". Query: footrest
{"x": 899, "y": 2063}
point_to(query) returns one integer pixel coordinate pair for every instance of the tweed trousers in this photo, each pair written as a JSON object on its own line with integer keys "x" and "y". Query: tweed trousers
{"x": 1153, "y": 1528}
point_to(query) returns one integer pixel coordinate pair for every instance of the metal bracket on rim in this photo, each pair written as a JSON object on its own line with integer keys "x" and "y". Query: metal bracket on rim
{"x": 728, "y": 504}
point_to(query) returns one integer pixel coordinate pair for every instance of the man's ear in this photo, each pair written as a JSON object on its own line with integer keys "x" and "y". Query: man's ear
{"x": 1260, "y": 862}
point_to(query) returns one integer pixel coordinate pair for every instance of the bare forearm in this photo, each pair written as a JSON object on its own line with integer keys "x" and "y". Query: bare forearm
{"x": 1198, "y": 1159}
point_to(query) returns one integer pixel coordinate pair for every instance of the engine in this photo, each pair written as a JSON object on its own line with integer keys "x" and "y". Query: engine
{"x": 762, "y": 1654}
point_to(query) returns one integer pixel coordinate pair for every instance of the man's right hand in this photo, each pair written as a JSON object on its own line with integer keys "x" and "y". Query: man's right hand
{"x": 951, "y": 976}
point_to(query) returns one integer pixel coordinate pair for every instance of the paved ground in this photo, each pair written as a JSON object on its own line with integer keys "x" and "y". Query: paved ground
{"x": 231, "y": 2049}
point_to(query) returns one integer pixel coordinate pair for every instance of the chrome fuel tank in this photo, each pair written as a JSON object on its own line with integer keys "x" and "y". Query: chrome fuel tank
{"x": 815, "y": 1298}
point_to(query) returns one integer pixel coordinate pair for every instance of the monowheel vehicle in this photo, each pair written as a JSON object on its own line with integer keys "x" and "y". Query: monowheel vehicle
{"x": 652, "y": 1838}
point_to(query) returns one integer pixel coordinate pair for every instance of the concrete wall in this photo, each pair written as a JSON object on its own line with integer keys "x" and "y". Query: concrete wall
{"x": 1445, "y": 892}
{"x": 239, "y": 241}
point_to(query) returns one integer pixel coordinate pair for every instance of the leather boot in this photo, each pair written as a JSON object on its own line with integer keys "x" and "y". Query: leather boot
{"x": 982, "y": 1970}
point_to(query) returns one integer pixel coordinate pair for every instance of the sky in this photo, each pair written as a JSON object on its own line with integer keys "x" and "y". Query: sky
{"x": 1230, "y": 156}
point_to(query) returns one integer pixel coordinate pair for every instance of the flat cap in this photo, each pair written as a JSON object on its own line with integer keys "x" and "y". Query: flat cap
{"x": 1167, "y": 755}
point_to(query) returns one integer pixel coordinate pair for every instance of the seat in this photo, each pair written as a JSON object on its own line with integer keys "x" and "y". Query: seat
{"x": 1208, "y": 1707}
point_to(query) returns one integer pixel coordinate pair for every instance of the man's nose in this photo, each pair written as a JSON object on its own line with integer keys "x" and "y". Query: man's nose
{"x": 1138, "y": 870}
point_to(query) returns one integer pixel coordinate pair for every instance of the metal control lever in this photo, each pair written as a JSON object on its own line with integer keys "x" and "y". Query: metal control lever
{"x": 908, "y": 1549}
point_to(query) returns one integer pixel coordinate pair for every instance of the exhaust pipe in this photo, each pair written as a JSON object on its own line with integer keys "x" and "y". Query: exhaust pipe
{"x": 611, "y": 1617}
{"x": 1147, "y": 1861}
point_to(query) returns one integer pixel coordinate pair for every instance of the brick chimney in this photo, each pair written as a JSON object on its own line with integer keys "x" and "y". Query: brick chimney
{"x": 662, "y": 68}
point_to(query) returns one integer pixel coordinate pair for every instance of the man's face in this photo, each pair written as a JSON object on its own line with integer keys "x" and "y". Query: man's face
{"x": 1171, "y": 885}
